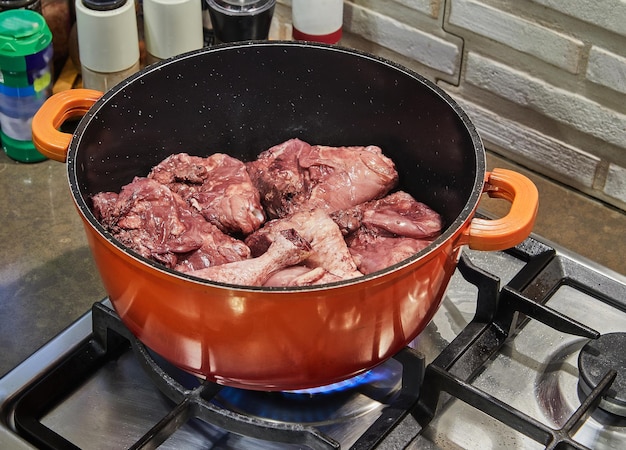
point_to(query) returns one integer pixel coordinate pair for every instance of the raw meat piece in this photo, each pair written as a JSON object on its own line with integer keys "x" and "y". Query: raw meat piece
{"x": 397, "y": 214}
{"x": 340, "y": 177}
{"x": 295, "y": 176}
{"x": 104, "y": 206}
{"x": 158, "y": 224}
{"x": 384, "y": 232}
{"x": 301, "y": 276}
{"x": 329, "y": 248}
{"x": 277, "y": 176}
{"x": 217, "y": 248}
{"x": 219, "y": 187}
{"x": 287, "y": 249}
{"x": 372, "y": 252}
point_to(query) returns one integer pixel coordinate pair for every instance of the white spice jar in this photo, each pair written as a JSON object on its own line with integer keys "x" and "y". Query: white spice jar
{"x": 172, "y": 27}
{"x": 108, "y": 41}
{"x": 317, "y": 20}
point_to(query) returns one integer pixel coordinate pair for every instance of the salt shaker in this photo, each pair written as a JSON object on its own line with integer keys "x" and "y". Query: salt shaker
{"x": 172, "y": 27}
{"x": 318, "y": 21}
{"x": 25, "y": 79}
{"x": 108, "y": 41}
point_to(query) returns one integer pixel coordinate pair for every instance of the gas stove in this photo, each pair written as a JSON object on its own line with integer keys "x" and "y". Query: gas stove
{"x": 526, "y": 351}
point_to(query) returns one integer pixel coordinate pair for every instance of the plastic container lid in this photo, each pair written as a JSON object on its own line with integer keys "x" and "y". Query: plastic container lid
{"x": 33, "y": 5}
{"x": 242, "y": 7}
{"x": 22, "y": 33}
{"x": 103, "y": 5}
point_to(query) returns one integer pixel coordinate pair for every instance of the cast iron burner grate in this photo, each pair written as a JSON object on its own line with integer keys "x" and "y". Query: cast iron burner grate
{"x": 499, "y": 312}
{"x": 498, "y": 315}
{"x": 110, "y": 339}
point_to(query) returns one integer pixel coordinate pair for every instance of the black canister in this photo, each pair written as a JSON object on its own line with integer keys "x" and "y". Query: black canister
{"x": 33, "y": 5}
{"x": 241, "y": 20}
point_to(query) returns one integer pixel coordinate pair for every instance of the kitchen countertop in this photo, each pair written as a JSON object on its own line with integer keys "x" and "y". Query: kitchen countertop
{"x": 47, "y": 276}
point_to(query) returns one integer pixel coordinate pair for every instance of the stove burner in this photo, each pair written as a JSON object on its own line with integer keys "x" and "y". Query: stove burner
{"x": 596, "y": 358}
{"x": 335, "y": 387}
{"x": 327, "y": 404}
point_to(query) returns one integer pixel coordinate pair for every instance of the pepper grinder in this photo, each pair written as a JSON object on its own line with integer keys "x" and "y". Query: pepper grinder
{"x": 172, "y": 27}
{"x": 108, "y": 41}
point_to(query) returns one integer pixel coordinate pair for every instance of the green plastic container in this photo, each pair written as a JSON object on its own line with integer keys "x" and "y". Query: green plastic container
{"x": 22, "y": 151}
{"x": 25, "y": 79}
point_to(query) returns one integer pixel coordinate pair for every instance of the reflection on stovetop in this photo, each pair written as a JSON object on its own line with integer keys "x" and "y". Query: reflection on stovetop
{"x": 497, "y": 367}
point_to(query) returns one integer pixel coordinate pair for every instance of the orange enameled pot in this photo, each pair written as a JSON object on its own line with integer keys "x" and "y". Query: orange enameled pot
{"x": 241, "y": 99}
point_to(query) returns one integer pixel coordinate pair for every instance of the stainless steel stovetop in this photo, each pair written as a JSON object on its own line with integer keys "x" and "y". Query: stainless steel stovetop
{"x": 498, "y": 367}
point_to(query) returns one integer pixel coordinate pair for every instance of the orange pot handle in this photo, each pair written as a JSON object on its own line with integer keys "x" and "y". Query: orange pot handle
{"x": 516, "y": 226}
{"x": 47, "y": 138}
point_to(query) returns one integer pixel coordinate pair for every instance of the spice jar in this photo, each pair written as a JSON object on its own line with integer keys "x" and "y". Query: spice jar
{"x": 319, "y": 20}
{"x": 25, "y": 79}
{"x": 171, "y": 27}
{"x": 108, "y": 41}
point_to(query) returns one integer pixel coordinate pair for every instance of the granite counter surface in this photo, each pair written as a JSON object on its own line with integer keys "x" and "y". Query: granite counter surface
{"x": 47, "y": 275}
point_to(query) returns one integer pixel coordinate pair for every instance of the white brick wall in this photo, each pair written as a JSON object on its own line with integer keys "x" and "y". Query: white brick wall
{"x": 544, "y": 80}
{"x": 606, "y": 14}
{"x": 425, "y": 47}
{"x": 616, "y": 182}
{"x": 431, "y": 8}
{"x": 517, "y": 33}
{"x": 607, "y": 69}
{"x": 567, "y": 107}
{"x": 543, "y": 152}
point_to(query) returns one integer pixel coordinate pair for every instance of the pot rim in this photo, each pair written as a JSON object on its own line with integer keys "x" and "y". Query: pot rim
{"x": 452, "y": 230}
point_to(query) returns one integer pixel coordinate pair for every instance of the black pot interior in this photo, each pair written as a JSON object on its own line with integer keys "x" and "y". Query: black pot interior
{"x": 242, "y": 99}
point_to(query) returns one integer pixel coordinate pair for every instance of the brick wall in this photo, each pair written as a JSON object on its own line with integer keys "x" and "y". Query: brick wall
{"x": 543, "y": 80}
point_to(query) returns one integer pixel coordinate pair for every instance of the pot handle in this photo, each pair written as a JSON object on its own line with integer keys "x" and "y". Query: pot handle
{"x": 516, "y": 226}
{"x": 47, "y": 138}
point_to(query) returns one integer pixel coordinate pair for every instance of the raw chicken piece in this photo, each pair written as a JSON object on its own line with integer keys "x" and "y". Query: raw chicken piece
{"x": 217, "y": 248}
{"x": 287, "y": 249}
{"x": 219, "y": 187}
{"x": 384, "y": 232}
{"x": 277, "y": 176}
{"x": 104, "y": 206}
{"x": 158, "y": 224}
{"x": 329, "y": 248}
{"x": 397, "y": 214}
{"x": 301, "y": 276}
{"x": 372, "y": 252}
{"x": 295, "y": 176}
{"x": 340, "y": 177}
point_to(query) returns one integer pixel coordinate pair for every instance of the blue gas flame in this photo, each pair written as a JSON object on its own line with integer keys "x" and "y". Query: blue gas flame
{"x": 340, "y": 386}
